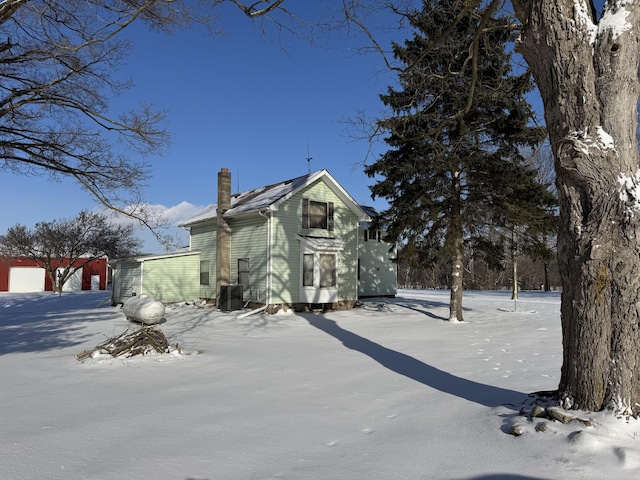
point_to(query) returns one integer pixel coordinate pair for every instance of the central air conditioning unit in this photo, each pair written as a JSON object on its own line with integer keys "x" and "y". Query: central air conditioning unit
{"x": 230, "y": 298}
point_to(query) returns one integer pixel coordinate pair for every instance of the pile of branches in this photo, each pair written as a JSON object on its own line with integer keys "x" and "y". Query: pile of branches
{"x": 148, "y": 339}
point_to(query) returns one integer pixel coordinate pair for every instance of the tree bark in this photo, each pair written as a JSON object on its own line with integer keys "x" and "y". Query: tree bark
{"x": 514, "y": 266}
{"x": 587, "y": 74}
{"x": 455, "y": 242}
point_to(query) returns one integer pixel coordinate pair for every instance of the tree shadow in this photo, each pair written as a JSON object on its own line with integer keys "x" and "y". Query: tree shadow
{"x": 414, "y": 369}
{"x": 504, "y": 476}
{"x": 46, "y": 321}
{"x": 425, "y": 307}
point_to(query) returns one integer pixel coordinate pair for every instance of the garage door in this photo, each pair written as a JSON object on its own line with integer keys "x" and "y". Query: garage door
{"x": 26, "y": 279}
{"x": 74, "y": 284}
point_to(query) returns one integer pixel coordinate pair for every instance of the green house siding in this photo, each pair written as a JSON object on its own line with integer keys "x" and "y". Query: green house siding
{"x": 249, "y": 241}
{"x": 303, "y": 228}
{"x": 172, "y": 279}
{"x": 126, "y": 281}
{"x": 287, "y": 249}
{"x": 378, "y": 273}
{"x": 203, "y": 238}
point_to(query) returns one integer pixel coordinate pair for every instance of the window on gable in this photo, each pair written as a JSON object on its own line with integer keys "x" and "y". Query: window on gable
{"x": 317, "y": 214}
{"x": 204, "y": 272}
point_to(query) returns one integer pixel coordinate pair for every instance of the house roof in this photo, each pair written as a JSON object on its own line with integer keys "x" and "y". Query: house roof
{"x": 270, "y": 197}
{"x": 143, "y": 257}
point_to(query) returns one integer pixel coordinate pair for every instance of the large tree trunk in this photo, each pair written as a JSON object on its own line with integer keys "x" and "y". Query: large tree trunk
{"x": 590, "y": 92}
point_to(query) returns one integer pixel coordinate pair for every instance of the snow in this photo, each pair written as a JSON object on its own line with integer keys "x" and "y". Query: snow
{"x": 255, "y": 200}
{"x": 630, "y": 192}
{"x": 613, "y": 21}
{"x": 605, "y": 140}
{"x": 583, "y": 140}
{"x": 143, "y": 309}
{"x": 389, "y": 390}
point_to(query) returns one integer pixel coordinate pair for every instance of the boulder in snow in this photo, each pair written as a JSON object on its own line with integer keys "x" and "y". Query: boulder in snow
{"x": 143, "y": 309}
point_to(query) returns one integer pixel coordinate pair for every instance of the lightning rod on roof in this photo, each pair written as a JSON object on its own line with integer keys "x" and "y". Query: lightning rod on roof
{"x": 308, "y": 160}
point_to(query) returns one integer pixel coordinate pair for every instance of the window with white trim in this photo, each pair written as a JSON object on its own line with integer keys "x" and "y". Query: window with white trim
{"x": 244, "y": 268}
{"x": 204, "y": 272}
{"x": 372, "y": 235}
{"x": 319, "y": 270}
{"x": 327, "y": 270}
{"x": 307, "y": 270}
{"x": 317, "y": 214}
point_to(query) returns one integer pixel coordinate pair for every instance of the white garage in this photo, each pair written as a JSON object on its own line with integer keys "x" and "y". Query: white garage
{"x": 26, "y": 279}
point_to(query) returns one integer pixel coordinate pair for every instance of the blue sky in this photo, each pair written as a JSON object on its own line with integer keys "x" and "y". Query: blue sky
{"x": 250, "y": 102}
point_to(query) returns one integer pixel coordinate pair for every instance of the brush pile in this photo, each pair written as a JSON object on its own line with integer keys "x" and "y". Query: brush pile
{"x": 148, "y": 339}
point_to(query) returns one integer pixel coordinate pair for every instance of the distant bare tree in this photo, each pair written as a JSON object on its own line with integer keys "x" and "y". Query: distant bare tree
{"x": 62, "y": 247}
{"x": 57, "y": 65}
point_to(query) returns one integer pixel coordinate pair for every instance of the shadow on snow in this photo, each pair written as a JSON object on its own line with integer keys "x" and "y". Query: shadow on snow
{"x": 414, "y": 369}
{"x": 37, "y": 322}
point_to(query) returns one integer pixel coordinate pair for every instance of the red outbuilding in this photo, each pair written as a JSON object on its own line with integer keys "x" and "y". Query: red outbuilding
{"x": 21, "y": 274}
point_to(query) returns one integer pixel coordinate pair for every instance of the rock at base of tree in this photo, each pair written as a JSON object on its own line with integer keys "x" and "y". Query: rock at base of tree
{"x": 148, "y": 339}
{"x": 544, "y": 405}
{"x": 539, "y": 412}
{"x": 560, "y": 414}
{"x": 541, "y": 427}
{"x": 143, "y": 309}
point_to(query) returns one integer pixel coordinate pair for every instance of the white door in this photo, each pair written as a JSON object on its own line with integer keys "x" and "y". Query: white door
{"x": 95, "y": 282}
{"x": 26, "y": 279}
{"x": 74, "y": 284}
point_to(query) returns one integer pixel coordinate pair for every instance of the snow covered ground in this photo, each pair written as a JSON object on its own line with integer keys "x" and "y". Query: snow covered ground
{"x": 390, "y": 390}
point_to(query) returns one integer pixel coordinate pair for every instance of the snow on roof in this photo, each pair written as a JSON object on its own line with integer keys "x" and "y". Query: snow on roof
{"x": 259, "y": 199}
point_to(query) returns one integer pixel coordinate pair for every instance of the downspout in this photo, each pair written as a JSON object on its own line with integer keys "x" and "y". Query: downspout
{"x": 269, "y": 219}
{"x": 141, "y": 277}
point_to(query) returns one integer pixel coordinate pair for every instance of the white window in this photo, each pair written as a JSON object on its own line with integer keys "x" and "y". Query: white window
{"x": 327, "y": 264}
{"x": 319, "y": 270}
{"x": 372, "y": 235}
{"x": 307, "y": 270}
{"x": 244, "y": 268}
{"x": 204, "y": 272}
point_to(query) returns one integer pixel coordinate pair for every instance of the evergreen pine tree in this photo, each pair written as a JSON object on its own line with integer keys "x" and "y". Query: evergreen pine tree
{"x": 456, "y": 132}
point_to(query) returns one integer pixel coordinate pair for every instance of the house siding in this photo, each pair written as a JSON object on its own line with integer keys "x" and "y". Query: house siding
{"x": 267, "y": 228}
{"x": 249, "y": 240}
{"x": 126, "y": 281}
{"x": 203, "y": 238}
{"x": 286, "y": 254}
{"x": 378, "y": 270}
{"x": 172, "y": 279}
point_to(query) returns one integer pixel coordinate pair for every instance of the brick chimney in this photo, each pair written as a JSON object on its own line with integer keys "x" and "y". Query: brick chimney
{"x": 223, "y": 250}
